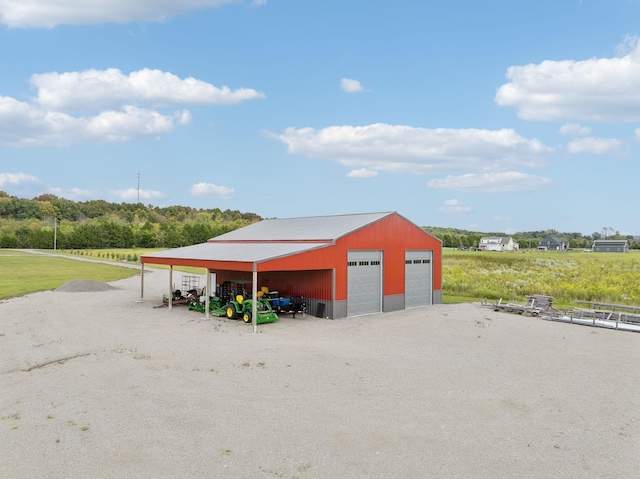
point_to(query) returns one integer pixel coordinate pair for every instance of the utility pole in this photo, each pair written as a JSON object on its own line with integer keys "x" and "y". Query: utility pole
{"x": 138, "y": 187}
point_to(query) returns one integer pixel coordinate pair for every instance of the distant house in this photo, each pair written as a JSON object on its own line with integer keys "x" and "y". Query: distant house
{"x": 610, "y": 246}
{"x": 497, "y": 243}
{"x": 552, "y": 244}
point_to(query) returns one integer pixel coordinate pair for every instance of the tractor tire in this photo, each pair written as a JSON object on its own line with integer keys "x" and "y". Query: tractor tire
{"x": 246, "y": 317}
{"x": 231, "y": 312}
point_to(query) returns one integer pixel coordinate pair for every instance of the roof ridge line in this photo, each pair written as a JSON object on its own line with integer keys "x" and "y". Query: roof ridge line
{"x": 248, "y": 241}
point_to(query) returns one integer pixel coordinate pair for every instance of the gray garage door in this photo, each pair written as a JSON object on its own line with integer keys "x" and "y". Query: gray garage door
{"x": 418, "y": 273}
{"x": 364, "y": 282}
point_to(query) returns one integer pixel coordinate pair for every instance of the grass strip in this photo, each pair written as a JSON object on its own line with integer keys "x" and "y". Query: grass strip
{"x": 26, "y": 273}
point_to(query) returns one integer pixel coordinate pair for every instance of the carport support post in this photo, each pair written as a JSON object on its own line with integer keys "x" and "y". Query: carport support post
{"x": 141, "y": 280}
{"x": 170, "y": 286}
{"x": 207, "y": 288}
{"x": 333, "y": 293}
{"x": 254, "y": 295}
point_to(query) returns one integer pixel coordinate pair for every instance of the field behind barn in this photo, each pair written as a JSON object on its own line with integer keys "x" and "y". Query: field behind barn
{"x": 567, "y": 276}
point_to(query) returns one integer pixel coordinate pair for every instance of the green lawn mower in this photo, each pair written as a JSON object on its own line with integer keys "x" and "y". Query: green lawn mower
{"x": 243, "y": 308}
{"x": 216, "y": 306}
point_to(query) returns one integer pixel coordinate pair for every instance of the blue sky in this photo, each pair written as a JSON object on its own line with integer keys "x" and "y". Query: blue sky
{"x": 498, "y": 115}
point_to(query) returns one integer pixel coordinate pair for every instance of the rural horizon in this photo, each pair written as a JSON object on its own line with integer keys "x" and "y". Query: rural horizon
{"x": 598, "y": 233}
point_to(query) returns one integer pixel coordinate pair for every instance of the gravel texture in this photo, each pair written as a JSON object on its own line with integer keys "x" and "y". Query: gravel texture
{"x": 107, "y": 386}
{"x": 84, "y": 286}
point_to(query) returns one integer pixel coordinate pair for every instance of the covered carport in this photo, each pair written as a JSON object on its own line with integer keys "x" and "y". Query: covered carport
{"x": 229, "y": 258}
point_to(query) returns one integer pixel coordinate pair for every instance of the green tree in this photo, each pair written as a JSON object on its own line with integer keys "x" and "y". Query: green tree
{"x": 9, "y": 240}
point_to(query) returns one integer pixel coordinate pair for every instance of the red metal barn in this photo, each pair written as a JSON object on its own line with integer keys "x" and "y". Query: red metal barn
{"x": 346, "y": 265}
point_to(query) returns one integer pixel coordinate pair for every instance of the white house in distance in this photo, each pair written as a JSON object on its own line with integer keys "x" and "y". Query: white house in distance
{"x": 497, "y": 243}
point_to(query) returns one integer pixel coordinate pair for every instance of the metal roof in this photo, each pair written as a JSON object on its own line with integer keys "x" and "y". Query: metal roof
{"x": 272, "y": 239}
{"x": 313, "y": 228}
{"x": 244, "y": 252}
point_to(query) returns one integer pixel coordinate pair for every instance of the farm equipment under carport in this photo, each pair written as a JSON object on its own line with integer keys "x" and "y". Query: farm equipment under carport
{"x": 180, "y": 297}
{"x": 216, "y": 306}
{"x": 283, "y": 304}
{"x": 228, "y": 304}
{"x": 239, "y": 307}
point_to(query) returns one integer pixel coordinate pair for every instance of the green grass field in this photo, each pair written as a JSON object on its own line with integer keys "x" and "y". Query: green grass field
{"x": 567, "y": 276}
{"x": 23, "y": 273}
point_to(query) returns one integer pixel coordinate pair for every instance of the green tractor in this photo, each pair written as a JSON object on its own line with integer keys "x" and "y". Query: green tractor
{"x": 243, "y": 308}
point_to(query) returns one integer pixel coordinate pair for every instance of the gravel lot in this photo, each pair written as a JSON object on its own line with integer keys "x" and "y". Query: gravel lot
{"x": 99, "y": 384}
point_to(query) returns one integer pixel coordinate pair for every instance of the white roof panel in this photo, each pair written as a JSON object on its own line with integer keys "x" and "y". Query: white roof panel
{"x": 314, "y": 228}
{"x": 245, "y": 252}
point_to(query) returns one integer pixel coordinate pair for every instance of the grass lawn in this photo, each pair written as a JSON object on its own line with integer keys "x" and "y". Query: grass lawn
{"x": 23, "y": 273}
{"x": 11, "y": 252}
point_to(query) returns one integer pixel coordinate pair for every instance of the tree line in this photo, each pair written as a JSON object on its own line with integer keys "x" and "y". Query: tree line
{"x": 47, "y": 219}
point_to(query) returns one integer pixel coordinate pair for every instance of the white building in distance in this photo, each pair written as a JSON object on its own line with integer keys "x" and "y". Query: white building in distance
{"x": 498, "y": 243}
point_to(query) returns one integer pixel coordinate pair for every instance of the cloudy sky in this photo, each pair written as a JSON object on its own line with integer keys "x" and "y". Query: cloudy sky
{"x": 498, "y": 115}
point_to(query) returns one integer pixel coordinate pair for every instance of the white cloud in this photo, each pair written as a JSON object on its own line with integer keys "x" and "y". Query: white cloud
{"x": 573, "y": 129}
{"x": 627, "y": 46}
{"x": 597, "y": 146}
{"x": 25, "y": 185}
{"x": 20, "y": 184}
{"x": 131, "y": 194}
{"x": 16, "y": 180}
{"x": 111, "y": 107}
{"x": 128, "y": 123}
{"x": 455, "y": 207}
{"x": 209, "y": 189}
{"x": 23, "y": 125}
{"x": 351, "y": 86}
{"x": 99, "y": 89}
{"x": 601, "y": 89}
{"x": 183, "y": 117}
{"x": 502, "y": 182}
{"x": 75, "y": 194}
{"x": 382, "y": 147}
{"x": 362, "y": 173}
{"x": 48, "y": 13}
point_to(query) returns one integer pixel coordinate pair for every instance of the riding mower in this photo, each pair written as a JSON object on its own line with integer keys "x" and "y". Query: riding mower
{"x": 239, "y": 307}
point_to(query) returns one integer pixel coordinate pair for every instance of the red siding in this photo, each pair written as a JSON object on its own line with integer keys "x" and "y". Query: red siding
{"x": 310, "y": 284}
{"x": 392, "y": 234}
